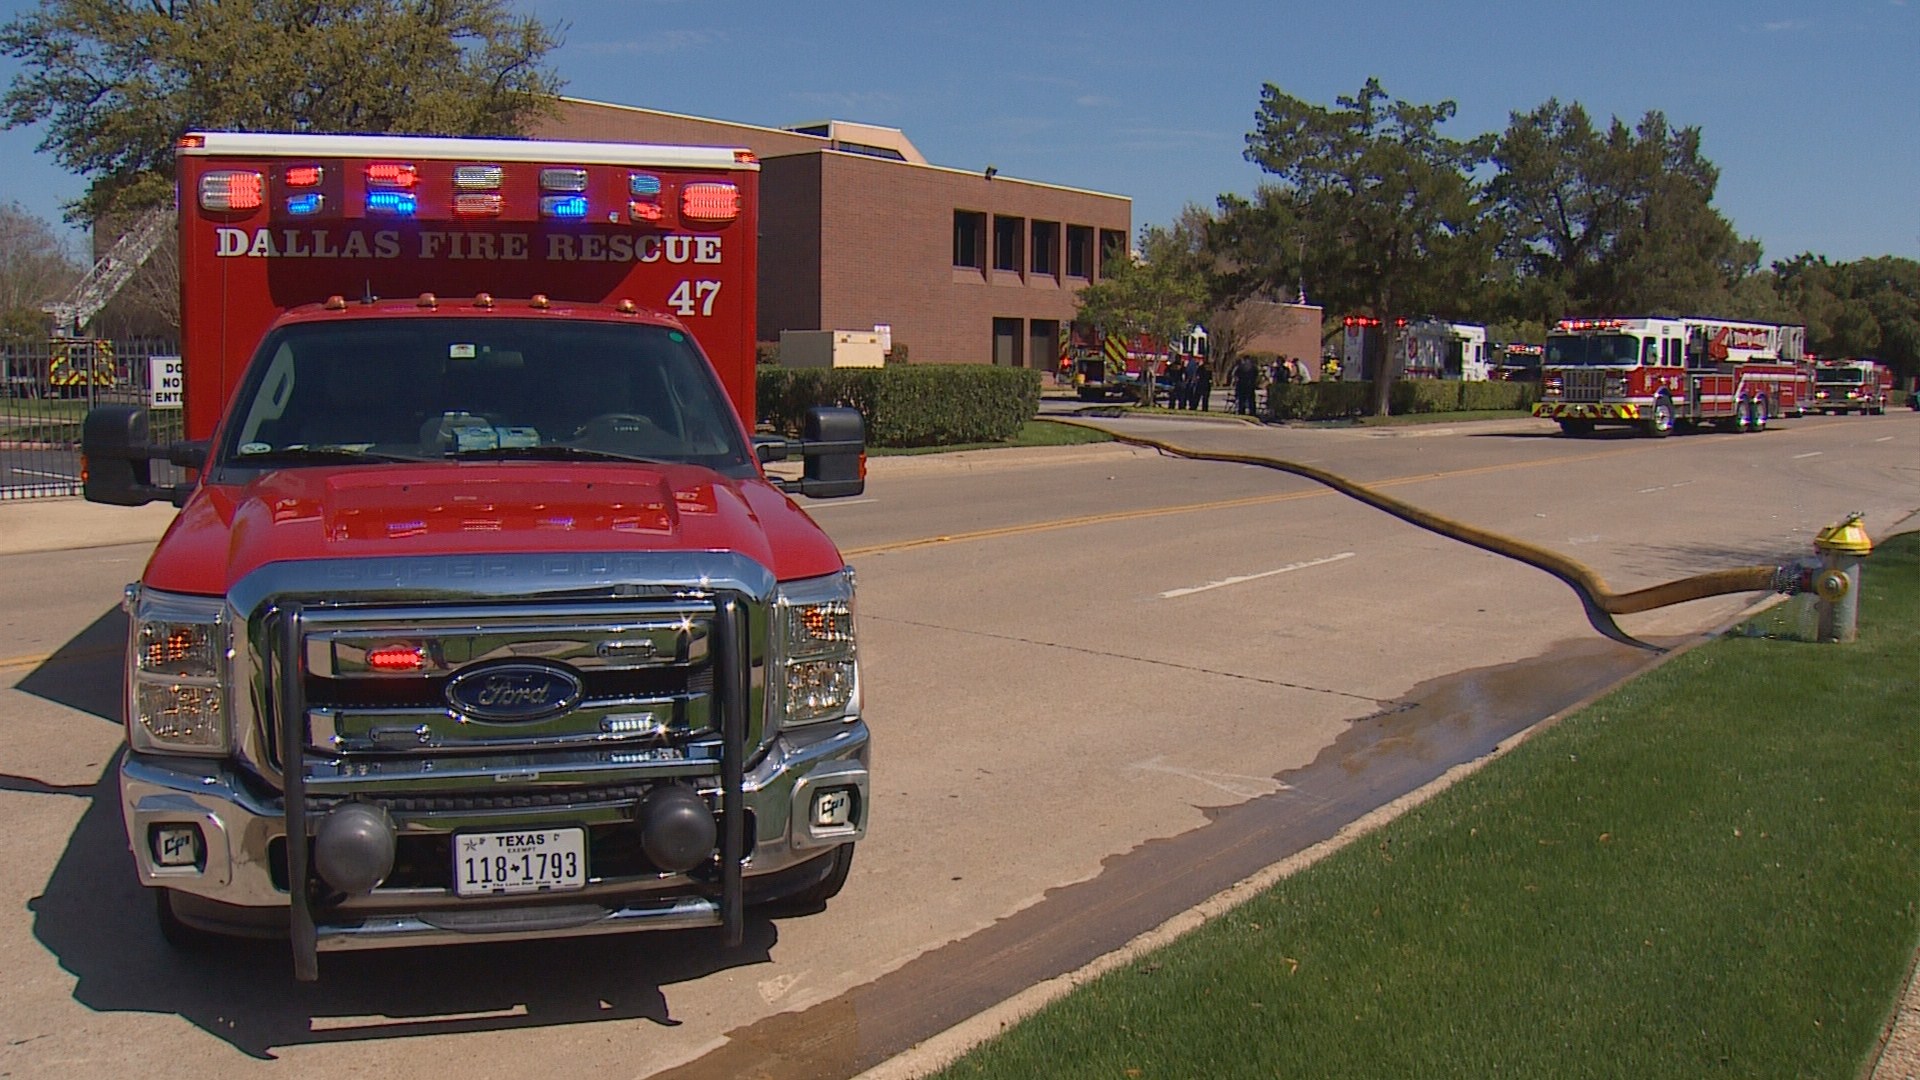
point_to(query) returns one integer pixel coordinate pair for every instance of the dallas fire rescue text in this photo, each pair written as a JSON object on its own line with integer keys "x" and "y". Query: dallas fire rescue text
{"x": 437, "y": 244}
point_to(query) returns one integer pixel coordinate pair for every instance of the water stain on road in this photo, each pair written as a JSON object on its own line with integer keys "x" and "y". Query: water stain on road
{"x": 1434, "y": 727}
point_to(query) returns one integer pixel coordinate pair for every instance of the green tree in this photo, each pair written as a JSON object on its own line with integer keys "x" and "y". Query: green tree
{"x": 1382, "y": 208}
{"x": 1870, "y": 307}
{"x": 118, "y": 81}
{"x": 1613, "y": 222}
{"x": 35, "y": 267}
{"x": 1161, "y": 294}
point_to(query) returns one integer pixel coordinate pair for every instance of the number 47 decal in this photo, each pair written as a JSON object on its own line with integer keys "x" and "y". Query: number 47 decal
{"x": 693, "y": 297}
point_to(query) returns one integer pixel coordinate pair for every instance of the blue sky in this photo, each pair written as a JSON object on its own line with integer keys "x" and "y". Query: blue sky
{"x": 1811, "y": 110}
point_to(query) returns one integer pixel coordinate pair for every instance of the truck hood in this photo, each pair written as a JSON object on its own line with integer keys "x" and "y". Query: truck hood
{"x": 225, "y": 532}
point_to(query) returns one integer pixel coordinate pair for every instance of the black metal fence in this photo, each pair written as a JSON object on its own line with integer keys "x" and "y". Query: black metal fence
{"x": 46, "y": 388}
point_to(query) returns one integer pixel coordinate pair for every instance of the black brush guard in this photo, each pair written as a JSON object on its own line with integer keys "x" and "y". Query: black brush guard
{"x": 732, "y": 662}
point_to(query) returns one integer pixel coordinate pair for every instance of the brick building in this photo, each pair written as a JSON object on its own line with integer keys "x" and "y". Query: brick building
{"x": 859, "y": 230}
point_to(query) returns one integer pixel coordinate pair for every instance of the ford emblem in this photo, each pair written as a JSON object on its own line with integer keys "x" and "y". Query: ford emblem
{"x": 513, "y": 692}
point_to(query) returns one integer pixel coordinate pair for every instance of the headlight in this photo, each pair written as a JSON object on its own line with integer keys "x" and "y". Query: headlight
{"x": 177, "y": 697}
{"x": 814, "y": 645}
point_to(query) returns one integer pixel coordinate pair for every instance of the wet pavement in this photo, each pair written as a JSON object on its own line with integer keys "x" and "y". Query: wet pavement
{"x": 1434, "y": 728}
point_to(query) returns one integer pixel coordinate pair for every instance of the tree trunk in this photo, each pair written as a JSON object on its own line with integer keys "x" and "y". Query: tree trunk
{"x": 1392, "y": 364}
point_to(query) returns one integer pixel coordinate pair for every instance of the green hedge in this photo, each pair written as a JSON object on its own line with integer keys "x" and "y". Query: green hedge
{"x": 907, "y": 404}
{"x": 1333, "y": 400}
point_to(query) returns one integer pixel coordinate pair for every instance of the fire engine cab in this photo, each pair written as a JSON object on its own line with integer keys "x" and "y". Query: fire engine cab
{"x": 1844, "y": 386}
{"x": 1659, "y": 373}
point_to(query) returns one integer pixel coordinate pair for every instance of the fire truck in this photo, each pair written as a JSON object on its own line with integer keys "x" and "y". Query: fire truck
{"x": 1658, "y": 374}
{"x": 1857, "y": 385}
{"x": 1108, "y": 366}
{"x": 481, "y": 618}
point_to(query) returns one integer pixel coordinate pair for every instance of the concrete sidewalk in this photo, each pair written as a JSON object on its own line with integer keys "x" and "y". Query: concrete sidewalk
{"x": 59, "y": 524}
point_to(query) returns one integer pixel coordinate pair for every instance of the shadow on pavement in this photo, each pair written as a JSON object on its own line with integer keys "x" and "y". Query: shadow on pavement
{"x": 84, "y": 674}
{"x": 98, "y": 922}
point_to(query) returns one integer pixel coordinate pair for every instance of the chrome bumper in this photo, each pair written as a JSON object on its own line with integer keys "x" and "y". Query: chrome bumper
{"x": 239, "y": 823}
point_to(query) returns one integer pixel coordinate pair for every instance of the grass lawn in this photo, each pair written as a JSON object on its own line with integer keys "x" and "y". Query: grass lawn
{"x": 1709, "y": 872}
{"x": 41, "y": 419}
{"x": 1032, "y": 433}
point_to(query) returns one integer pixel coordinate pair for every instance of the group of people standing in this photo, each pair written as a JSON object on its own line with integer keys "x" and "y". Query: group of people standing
{"x": 1189, "y": 384}
{"x": 1190, "y": 381}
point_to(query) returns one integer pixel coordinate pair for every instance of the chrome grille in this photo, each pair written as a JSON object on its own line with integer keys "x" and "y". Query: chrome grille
{"x": 1583, "y": 384}
{"x": 646, "y": 679}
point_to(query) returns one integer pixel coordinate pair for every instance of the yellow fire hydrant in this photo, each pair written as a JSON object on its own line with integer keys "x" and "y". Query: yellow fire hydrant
{"x": 1842, "y": 547}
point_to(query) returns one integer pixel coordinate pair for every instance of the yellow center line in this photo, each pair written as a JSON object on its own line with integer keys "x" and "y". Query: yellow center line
{"x": 1221, "y": 504}
{"x": 36, "y": 659}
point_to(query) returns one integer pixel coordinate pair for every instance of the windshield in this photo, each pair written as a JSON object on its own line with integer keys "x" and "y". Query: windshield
{"x": 419, "y": 389}
{"x": 1840, "y": 375}
{"x": 1592, "y": 350}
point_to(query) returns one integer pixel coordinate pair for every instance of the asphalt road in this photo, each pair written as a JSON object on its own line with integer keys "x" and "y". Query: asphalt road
{"x": 1104, "y": 684}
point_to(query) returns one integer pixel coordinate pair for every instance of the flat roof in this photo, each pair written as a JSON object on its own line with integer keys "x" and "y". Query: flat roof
{"x": 826, "y": 147}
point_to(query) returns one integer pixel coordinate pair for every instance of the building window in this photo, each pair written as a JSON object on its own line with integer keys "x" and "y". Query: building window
{"x": 1079, "y": 251}
{"x": 1113, "y": 245}
{"x": 1009, "y": 238}
{"x": 970, "y": 239}
{"x": 1043, "y": 342}
{"x": 1006, "y": 343}
{"x": 1046, "y": 248}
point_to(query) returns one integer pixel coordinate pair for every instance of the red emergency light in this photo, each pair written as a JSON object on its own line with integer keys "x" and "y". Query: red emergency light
{"x": 714, "y": 202}
{"x": 1592, "y": 324}
{"x": 396, "y": 658}
{"x": 392, "y": 174}
{"x": 478, "y": 204}
{"x": 230, "y": 190}
{"x": 303, "y": 176}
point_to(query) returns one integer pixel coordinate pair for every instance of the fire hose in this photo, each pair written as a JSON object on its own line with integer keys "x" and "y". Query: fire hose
{"x": 1600, "y": 602}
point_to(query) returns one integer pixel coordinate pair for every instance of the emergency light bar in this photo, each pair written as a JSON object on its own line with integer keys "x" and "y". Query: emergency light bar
{"x": 392, "y": 203}
{"x": 714, "y": 202}
{"x": 565, "y": 180}
{"x": 230, "y": 190}
{"x": 1591, "y": 324}
{"x": 477, "y": 177}
{"x": 478, "y": 204}
{"x": 392, "y": 175}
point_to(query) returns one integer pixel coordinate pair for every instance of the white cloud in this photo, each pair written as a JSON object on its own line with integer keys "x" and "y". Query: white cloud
{"x": 1785, "y": 24}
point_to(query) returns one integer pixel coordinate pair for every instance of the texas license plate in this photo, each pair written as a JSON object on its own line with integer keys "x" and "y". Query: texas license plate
{"x": 531, "y": 860}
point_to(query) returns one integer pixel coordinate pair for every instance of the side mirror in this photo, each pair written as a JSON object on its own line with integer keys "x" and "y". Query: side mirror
{"x": 116, "y": 458}
{"x": 115, "y": 467}
{"x": 834, "y": 446}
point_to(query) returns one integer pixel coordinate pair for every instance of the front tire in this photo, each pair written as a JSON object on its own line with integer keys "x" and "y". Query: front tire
{"x": 180, "y": 935}
{"x": 1660, "y": 424}
{"x": 1577, "y": 429}
{"x": 817, "y": 894}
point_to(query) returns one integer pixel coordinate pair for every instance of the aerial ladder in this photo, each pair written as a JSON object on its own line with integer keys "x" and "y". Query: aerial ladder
{"x": 78, "y": 361}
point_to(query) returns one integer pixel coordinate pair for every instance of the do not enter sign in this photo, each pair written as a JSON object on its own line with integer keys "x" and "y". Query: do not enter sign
{"x": 164, "y": 385}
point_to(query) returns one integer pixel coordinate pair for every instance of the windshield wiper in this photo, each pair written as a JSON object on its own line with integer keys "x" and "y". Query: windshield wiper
{"x": 318, "y": 455}
{"x": 552, "y": 452}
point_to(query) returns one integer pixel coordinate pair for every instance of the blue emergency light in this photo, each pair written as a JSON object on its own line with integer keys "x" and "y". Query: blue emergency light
{"x": 394, "y": 203}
